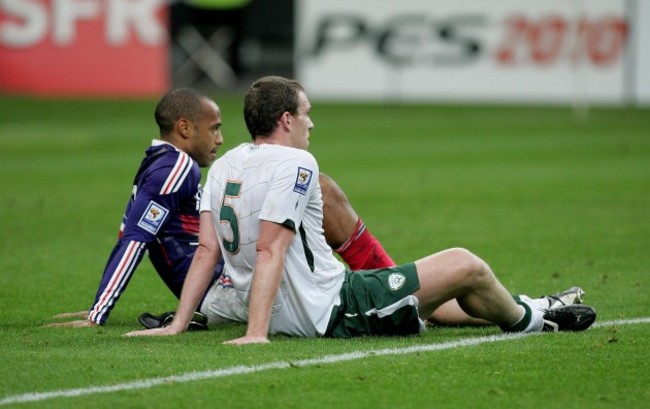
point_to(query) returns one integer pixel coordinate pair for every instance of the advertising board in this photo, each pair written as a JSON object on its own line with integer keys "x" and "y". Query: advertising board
{"x": 502, "y": 51}
{"x": 83, "y": 47}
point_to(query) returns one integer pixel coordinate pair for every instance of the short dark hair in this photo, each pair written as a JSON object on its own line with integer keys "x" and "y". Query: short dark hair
{"x": 265, "y": 102}
{"x": 176, "y": 104}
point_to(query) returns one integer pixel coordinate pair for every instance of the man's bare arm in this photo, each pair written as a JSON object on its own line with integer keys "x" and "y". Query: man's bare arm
{"x": 197, "y": 281}
{"x": 272, "y": 245}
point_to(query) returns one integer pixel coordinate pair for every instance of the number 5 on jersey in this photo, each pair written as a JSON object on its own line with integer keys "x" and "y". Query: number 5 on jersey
{"x": 228, "y": 215}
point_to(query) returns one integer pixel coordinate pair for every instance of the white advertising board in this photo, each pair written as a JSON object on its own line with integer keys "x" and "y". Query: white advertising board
{"x": 438, "y": 50}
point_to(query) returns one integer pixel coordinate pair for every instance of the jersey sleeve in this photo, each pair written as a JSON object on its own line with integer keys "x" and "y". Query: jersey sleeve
{"x": 123, "y": 261}
{"x": 291, "y": 187}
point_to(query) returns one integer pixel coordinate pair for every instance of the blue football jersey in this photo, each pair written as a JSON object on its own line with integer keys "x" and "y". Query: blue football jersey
{"x": 161, "y": 218}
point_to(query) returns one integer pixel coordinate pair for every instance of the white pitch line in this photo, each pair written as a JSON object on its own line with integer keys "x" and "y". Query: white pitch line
{"x": 239, "y": 370}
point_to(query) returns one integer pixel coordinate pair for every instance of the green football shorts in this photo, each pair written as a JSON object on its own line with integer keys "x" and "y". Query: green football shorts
{"x": 377, "y": 302}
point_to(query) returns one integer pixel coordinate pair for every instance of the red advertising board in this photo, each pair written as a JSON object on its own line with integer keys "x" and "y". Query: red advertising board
{"x": 84, "y": 47}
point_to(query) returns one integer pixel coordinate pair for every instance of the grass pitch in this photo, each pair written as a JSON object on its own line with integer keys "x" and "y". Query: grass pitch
{"x": 548, "y": 201}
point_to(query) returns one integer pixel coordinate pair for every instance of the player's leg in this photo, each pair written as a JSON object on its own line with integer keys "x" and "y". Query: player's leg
{"x": 450, "y": 314}
{"x": 339, "y": 218}
{"x": 346, "y": 233}
{"x": 459, "y": 274}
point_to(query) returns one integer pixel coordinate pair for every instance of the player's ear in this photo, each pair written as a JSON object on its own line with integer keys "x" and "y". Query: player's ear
{"x": 184, "y": 127}
{"x": 285, "y": 120}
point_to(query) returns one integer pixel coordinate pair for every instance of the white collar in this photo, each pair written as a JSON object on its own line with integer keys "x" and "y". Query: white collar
{"x": 159, "y": 142}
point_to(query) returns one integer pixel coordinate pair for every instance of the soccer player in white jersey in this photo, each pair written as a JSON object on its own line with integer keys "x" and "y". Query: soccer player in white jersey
{"x": 262, "y": 210}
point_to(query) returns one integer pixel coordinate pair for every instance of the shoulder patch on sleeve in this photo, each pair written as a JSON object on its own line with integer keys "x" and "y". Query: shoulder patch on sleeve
{"x": 303, "y": 179}
{"x": 153, "y": 217}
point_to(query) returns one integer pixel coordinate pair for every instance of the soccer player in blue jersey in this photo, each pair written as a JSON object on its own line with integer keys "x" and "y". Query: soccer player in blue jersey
{"x": 162, "y": 214}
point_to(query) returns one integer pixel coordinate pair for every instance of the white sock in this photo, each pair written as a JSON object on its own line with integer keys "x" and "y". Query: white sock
{"x": 540, "y": 304}
{"x": 536, "y": 322}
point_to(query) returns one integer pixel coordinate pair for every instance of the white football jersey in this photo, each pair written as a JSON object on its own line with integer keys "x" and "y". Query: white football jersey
{"x": 278, "y": 184}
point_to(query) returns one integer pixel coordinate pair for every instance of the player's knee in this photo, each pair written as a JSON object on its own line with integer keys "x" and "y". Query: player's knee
{"x": 471, "y": 269}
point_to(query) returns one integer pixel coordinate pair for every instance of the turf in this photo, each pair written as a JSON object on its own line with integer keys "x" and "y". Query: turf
{"x": 547, "y": 199}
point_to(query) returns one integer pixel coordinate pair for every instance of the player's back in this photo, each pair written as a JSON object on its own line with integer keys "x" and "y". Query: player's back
{"x": 278, "y": 184}
{"x": 238, "y": 191}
